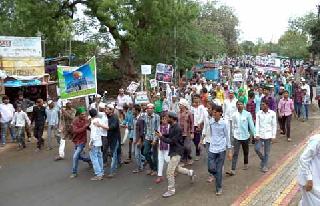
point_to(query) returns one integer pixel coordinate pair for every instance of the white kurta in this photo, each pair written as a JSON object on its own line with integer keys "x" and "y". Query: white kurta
{"x": 309, "y": 169}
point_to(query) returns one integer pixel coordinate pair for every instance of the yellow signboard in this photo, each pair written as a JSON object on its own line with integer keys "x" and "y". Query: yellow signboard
{"x": 31, "y": 66}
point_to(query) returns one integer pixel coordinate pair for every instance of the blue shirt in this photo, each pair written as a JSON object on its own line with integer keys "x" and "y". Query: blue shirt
{"x": 52, "y": 116}
{"x": 257, "y": 101}
{"x": 152, "y": 123}
{"x": 129, "y": 119}
{"x": 241, "y": 122}
{"x": 220, "y": 139}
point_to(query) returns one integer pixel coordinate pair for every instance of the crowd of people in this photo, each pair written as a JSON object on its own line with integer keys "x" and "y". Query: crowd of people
{"x": 215, "y": 118}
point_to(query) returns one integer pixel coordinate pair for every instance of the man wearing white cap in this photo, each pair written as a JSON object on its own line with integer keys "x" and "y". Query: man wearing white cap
{"x": 152, "y": 124}
{"x": 52, "y": 113}
{"x": 185, "y": 119}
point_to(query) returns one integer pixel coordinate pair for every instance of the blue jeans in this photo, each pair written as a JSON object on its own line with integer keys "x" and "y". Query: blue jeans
{"x": 297, "y": 108}
{"x": 77, "y": 156}
{"x": 4, "y": 129}
{"x": 147, "y": 151}
{"x": 114, "y": 159}
{"x": 267, "y": 145}
{"x": 138, "y": 156}
{"x": 97, "y": 160}
{"x": 215, "y": 163}
{"x": 305, "y": 111}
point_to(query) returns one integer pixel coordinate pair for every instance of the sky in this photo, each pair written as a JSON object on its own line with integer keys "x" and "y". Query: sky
{"x": 267, "y": 19}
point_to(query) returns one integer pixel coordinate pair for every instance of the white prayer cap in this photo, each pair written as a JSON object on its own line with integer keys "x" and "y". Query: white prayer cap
{"x": 110, "y": 106}
{"x": 102, "y": 105}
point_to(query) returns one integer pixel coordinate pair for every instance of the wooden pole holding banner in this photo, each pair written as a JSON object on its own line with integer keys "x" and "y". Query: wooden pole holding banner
{"x": 145, "y": 81}
{"x": 141, "y": 82}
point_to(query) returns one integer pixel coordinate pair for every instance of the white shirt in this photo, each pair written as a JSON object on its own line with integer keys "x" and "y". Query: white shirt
{"x": 198, "y": 88}
{"x": 104, "y": 120}
{"x": 309, "y": 167}
{"x": 95, "y": 134}
{"x": 206, "y": 132}
{"x": 94, "y": 105}
{"x": 229, "y": 108}
{"x": 122, "y": 100}
{"x": 266, "y": 124}
{"x": 20, "y": 119}
{"x": 7, "y": 112}
{"x": 306, "y": 87}
{"x": 198, "y": 114}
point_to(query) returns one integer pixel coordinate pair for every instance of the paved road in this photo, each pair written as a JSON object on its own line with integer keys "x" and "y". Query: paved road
{"x": 34, "y": 179}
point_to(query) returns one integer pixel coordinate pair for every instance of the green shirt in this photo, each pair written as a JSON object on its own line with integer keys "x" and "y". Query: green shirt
{"x": 158, "y": 106}
{"x": 243, "y": 99}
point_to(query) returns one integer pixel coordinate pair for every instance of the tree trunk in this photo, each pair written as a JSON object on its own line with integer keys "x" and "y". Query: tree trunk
{"x": 125, "y": 62}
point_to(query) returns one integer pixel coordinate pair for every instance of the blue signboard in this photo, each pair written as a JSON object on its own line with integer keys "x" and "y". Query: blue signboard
{"x": 212, "y": 74}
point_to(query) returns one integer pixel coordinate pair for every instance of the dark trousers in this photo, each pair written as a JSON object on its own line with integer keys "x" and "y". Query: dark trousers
{"x": 187, "y": 149}
{"x": 285, "y": 125}
{"x": 150, "y": 153}
{"x": 105, "y": 149}
{"x": 130, "y": 147}
{"x": 38, "y": 132}
{"x": 215, "y": 163}
{"x": 119, "y": 151}
{"x": 196, "y": 141}
{"x": 245, "y": 148}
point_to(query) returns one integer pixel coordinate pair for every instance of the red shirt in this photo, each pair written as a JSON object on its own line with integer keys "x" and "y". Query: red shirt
{"x": 251, "y": 107}
{"x": 79, "y": 128}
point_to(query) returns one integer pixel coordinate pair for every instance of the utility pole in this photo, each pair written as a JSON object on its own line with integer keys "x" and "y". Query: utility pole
{"x": 318, "y": 6}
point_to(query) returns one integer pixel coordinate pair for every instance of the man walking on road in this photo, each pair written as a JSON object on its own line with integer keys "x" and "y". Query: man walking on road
{"x": 39, "y": 117}
{"x": 219, "y": 143}
{"x": 79, "y": 128}
{"x": 308, "y": 172}
{"x": 152, "y": 124}
{"x": 285, "y": 109}
{"x": 114, "y": 138}
{"x": 242, "y": 122}
{"x": 175, "y": 141}
{"x": 6, "y": 115}
{"x": 266, "y": 129}
{"x": 67, "y": 116}
{"x": 25, "y": 104}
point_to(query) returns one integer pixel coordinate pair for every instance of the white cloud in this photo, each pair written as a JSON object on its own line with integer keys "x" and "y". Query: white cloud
{"x": 267, "y": 19}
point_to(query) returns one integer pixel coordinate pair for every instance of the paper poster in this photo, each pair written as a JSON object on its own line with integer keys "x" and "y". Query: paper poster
{"x": 153, "y": 83}
{"x": 164, "y": 73}
{"x": 145, "y": 69}
{"x": 237, "y": 77}
{"x": 142, "y": 98}
{"x": 80, "y": 82}
{"x": 133, "y": 87}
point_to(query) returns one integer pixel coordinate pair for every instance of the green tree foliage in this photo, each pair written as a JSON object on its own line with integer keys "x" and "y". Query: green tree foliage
{"x": 29, "y": 17}
{"x": 315, "y": 37}
{"x": 140, "y": 32}
{"x": 294, "y": 45}
{"x": 247, "y": 47}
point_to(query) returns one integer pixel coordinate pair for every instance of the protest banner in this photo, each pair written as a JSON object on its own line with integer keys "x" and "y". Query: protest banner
{"x": 133, "y": 87}
{"x": 237, "y": 77}
{"x": 145, "y": 69}
{"x": 142, "y": 98}
{"x": 11, "y": 46}
{"x": 164, "y": 73}
{"x": 79, "y": 82}
{"x": 153, "y": 83}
